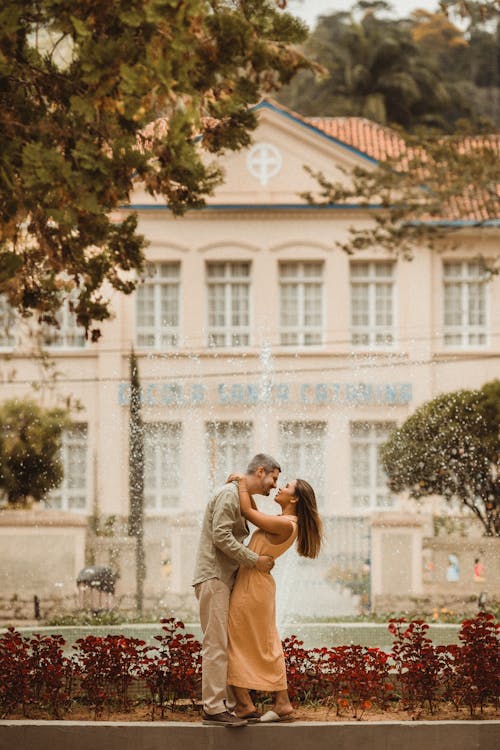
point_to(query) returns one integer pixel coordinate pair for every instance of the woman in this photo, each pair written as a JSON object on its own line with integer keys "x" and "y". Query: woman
{"x": 255, "y": 654}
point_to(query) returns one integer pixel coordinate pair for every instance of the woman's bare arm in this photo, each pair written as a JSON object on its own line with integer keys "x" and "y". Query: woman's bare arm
{"x": 235, "y": 477}
{"x": 278, "y": 525}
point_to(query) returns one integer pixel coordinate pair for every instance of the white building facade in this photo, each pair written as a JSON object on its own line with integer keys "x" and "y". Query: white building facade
{"x": 255, "y": 332}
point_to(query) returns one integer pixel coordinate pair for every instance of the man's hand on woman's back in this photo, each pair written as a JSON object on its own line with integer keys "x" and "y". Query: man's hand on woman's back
{"x": 265, "y": 563}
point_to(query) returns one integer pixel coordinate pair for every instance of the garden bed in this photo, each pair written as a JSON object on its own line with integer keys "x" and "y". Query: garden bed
{"x": 141, "y": 712}
{"x": 115, "y": 678}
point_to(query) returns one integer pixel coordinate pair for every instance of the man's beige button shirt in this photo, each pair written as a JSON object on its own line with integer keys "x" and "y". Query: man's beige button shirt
{"x": 220, "y": 550}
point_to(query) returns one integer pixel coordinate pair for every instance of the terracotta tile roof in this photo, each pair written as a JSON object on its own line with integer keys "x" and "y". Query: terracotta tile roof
{"x": 379, "y": 141}
{"x": 382, "y": 143}
{"x": 372, "y": 139}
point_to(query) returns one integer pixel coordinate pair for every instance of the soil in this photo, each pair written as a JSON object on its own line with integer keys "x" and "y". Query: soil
{"x": 142, "y": 712}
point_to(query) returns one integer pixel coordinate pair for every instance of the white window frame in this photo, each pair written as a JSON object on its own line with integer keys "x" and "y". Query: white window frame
{"x": 162, "y": 467}
{"x": 227, "y": 444}
{"x": 227, "y": 334}
{"x": 371, "y": 435}
{"x": 302, "y": 444}
{"x": 8, "y": 325}
{"x": 302, "y": 334}
{"x": 463, "y": 329}
{"x": 68, "y": 335}
{"x": 373, "y": 331}
{"x": 61, "y": 497}
{"x": 165, "y": 334}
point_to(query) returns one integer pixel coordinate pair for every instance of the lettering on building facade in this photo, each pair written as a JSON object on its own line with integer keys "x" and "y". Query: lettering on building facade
{"x": 252, "y": 394}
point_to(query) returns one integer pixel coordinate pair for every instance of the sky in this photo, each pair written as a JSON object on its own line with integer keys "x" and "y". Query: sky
{"x": 309, "y": 10}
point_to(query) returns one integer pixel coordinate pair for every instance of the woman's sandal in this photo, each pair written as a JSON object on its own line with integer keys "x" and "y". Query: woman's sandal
{"x": 272, "y": 716}
{"x": 253, "y": 718}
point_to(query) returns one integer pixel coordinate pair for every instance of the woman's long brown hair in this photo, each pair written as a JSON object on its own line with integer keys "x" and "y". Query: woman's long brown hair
{"x": 309, "y": 522}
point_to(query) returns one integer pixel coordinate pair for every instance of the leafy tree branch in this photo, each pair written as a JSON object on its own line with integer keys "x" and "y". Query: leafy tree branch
{"x": 423, "y": 194}
{"x": 81, "y": 86}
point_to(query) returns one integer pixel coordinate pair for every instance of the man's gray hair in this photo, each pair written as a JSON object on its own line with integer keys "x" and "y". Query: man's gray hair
{"x": 267, "y": 462}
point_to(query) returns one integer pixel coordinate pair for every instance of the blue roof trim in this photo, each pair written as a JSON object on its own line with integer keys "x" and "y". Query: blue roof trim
{"x": 458, "y": 223}
{"x": 284, "y": 113}
{"x": 257, "y": 207}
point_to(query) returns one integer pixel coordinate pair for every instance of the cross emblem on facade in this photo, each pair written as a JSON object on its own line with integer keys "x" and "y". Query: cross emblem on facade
{"x": 263, "y": 162}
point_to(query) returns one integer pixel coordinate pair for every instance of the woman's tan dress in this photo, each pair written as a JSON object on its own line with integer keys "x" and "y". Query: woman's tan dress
{"x": 255, "y": 655}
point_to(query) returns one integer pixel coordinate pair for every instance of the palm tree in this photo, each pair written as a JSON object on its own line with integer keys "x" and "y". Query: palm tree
{"x": 374, "y": 68}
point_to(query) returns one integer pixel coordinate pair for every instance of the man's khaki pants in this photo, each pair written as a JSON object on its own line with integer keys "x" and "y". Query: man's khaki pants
{"x": 213, "y": 598}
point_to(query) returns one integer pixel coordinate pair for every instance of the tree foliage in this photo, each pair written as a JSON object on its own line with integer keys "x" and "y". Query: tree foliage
{"x": 377, "y": 67}
{"x": 30, "y": 443}
{"x": 468, "y": 8}
{"x": 432, "y": 180}
{"x": 82, "y": 85}
{"x": 472, "y": 63}
{"x": 423, "y": 192}
{"x": 450, "y": 447}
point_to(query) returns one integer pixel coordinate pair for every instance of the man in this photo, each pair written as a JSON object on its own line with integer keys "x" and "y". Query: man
{"x": 220, "y": 552}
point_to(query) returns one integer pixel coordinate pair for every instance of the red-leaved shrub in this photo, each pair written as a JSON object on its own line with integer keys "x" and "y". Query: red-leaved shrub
{"x": 418, "y": 662}
{"x": 106, "y": 666}
{"x": 36, "y": 672}
{"x": 172, "y": 669}
{"x": 50, "y": 672}
{"x": 15, "y": 689}
{"x": 478, "y": 661}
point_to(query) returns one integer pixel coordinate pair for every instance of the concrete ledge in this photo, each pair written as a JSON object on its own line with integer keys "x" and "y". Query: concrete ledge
{"x": 431, "y": 735}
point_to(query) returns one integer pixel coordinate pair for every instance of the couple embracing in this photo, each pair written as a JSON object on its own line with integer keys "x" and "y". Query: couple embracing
{"x": 236, "y": 592}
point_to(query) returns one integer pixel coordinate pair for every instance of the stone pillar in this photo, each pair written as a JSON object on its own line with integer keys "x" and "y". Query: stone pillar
{"x": 396, "y": 568}
{"x": 41, "y": 554}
